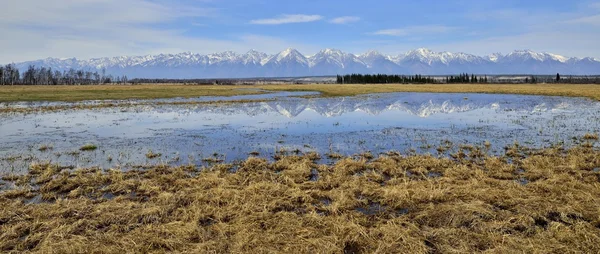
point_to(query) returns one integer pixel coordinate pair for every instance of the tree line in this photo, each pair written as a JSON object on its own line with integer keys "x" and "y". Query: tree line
{"x": 466, "y": 78}
{"x": 463, "y": 78}
{"x": 402, "y": 79}
{"x": 383, "y": 79}
{"x": 10, "y": 75}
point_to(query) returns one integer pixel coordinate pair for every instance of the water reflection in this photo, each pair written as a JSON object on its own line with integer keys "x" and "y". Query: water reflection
{"x": 195, "y": 133}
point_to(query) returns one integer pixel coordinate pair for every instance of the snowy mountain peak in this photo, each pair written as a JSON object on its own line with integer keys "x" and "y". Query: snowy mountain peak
{"x": 525, "y": 54}
{"x": 559, "y": 58}
{"x": 289, "y": 55}
{"x": 371, "y": 53}
{"x": 329, "y": 51}
{"x": 494, "y": 57}
{"x": 255, "y": 53}
{"x": 430, "y": 57}
{"x": 334, "y": 57}
{"x": 289, "y": 51}
{"x": 523, "y": 51}
{"x": 421, "y": 54}
{"x": 422, "y": 51}
{"x": 328, "y": 61}
{"x": 528, "y": 55}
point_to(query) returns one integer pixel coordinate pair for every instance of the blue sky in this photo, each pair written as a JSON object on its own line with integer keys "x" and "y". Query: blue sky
{"x": 33, "y": 29}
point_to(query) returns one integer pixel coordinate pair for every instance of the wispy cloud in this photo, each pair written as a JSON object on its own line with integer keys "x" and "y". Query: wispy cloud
{"x": 286, "y": 19}
{"x": 416, "y": 30}
{"x": 570, "y": 43}
{"x": 589, "y": 20}
{"x": 95, "y": 13}
{"x": 345, "y": 20}
{"x": 93, "y": 28}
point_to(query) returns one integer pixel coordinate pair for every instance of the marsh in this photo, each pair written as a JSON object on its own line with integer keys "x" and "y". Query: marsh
{"x": 188, "y": 131}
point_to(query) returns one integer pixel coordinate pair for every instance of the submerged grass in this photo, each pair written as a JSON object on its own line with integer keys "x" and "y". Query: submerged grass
{"x": 526, "y": 201}
{"x": 88, "y": 147}
{"x": 123, "y": 105}
{"x": 590, "y": 136}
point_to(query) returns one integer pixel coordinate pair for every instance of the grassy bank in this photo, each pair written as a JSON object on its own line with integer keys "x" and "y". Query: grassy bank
{"x": 106, "y": 92}
{"x": 526, "y": 201}
{"x": 573, "y": 90}
{"x": 115, "y": 92}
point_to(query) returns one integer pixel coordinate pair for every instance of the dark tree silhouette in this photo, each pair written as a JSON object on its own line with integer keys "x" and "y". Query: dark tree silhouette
{"x": 9, "y": 75}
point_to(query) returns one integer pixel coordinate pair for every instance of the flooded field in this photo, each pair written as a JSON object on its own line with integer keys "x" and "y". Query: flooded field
{"x": 143, "y": 133}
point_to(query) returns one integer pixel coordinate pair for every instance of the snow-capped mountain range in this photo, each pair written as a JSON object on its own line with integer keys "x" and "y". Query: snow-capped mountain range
{"x": 291, "y": 63}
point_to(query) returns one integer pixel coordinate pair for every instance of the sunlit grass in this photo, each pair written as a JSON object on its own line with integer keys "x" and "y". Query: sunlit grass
{"x": 525, "y": 201}
{"x": 115, "y": 92}
{"x": 573, "y": 90}
{"x": 154, "y": 91}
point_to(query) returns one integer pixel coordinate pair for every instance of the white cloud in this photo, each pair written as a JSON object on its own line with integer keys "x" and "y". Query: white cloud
{"x": 565, "y": 33}
{"x": 567, "y": 43}
{"x": 415, "y": 30}
{"x": 91, "y": 13}
{"x": 392, "y": 32}
{"x": 103, "y": 28}
{"x": 345, "y": 20}
{"x": 589, "y": 20}
{"x": 286, "y": 19}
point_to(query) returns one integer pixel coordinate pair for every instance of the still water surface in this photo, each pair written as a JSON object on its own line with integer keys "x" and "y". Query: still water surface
{"x": 184, "y": 134}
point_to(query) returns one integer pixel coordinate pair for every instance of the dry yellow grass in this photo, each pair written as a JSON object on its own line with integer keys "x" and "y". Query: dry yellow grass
{"x": 573, "y": 90}
{"x": 115, "y": 92}
{"x": 526, "y": 202}
{"x": 154, "y": 91}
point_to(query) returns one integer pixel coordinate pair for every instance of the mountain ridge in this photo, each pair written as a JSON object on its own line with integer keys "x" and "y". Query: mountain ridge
{"x": 329, "y": 61}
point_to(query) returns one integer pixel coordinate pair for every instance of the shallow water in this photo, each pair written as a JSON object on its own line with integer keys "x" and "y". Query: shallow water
{"x": 197, "y": 134}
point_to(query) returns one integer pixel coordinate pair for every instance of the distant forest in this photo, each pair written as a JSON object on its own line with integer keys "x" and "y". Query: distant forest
{"x": 9, "y": 75}
{"x": 401, "y": 79}
{"x": 462, "y": 78}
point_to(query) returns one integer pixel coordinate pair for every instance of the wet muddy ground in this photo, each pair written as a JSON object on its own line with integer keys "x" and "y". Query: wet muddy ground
{"x": 143, "y": 133}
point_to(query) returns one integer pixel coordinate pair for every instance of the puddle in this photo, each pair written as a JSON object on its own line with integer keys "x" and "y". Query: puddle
{"x": 35, "y": 200}
{"x": 192, "y": 133}
{"x": 434, "y": 175}
{"x": 402, "y": 211}
{"x": 523, "y": 181}
{"x": 373, "y": 208}
{"x": 314, "y": 175}
{"x": 132, "y": 102}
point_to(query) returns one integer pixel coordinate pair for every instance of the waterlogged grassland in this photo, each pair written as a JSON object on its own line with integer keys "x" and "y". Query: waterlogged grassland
{"x": 334, "y": 126}
{"x": 524, "y": 201}
{"x": 465, "y": 199}
{"x": 156, "y": 91}
{"x": 110, "y": 104}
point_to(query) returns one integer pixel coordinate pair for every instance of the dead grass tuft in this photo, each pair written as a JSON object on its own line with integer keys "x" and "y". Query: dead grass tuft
{"x": 88, "y": 147}
{"x": 590, "y": 136}
{"x": 525, "y": 201}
